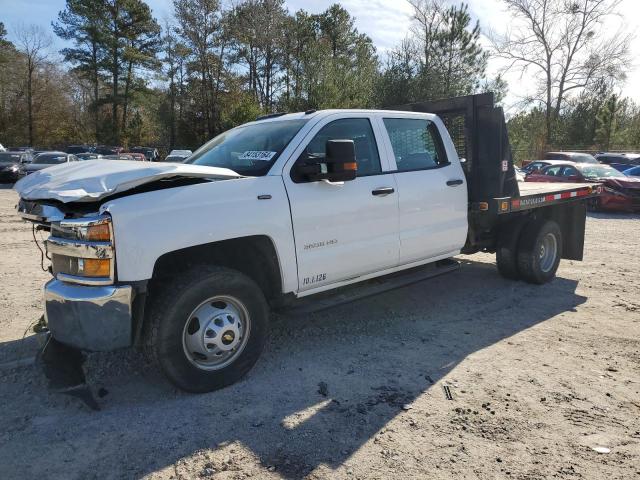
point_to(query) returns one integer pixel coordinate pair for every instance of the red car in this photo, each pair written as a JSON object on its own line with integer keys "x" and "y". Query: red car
{"x": 619, "y": 192}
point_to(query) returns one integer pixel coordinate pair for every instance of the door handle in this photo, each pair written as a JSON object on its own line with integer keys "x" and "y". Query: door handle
{"x": 453, "y": 183}
{"x": 382, "y": 191}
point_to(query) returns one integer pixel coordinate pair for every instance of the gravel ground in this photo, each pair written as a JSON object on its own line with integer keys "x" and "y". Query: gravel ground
{"x": 539, "y": 376}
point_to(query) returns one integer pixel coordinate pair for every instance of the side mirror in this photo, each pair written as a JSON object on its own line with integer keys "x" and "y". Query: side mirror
{"x": 339, "y": 164}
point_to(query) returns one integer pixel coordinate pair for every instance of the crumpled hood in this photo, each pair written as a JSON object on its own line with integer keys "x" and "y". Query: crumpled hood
{"x": 92, "y": 180}
{"x": 622, "y": 182}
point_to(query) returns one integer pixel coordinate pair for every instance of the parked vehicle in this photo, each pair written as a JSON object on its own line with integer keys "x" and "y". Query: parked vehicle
{"x": 632, "y": 172}
{"x": 11, "y": 168}
{"x": 48, "y": 159}
{"x": 75, "y": 149}
{"x": 149, "y": 152}
{"x": 121, "y": 156}
{"x": 619, "y": 192}
{"x": 271, "y": 213}
{"x": 89, "y": 156}
{"x": 136, "y": 156}
{"x": 577, "y": 157}
{"x": 2, "y": 149}
{"x": 619, "y": 161}
{"x": 181, "y": 153}
{"x": 175, "y": 158}
{"x": 106, "y": 150}
{"x": 520, "y": 174}
{"x": 537, "y": 165}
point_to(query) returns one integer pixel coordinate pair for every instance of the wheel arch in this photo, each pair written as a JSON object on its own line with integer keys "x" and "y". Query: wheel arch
{"x": 255, "y": 256}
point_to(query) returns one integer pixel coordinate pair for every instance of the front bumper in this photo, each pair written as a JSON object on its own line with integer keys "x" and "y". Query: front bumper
{"x": 96, "y": 318}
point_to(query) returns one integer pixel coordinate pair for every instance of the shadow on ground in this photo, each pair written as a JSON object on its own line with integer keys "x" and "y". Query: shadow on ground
{"x": 375, "y": 356}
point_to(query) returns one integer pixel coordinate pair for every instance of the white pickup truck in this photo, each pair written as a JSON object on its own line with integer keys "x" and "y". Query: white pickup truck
{"x": 187, "y": 259}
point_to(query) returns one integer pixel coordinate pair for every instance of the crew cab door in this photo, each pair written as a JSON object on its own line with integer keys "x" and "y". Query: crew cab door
{"x": 431, "y": 185}
{"x": 344, "y": 230}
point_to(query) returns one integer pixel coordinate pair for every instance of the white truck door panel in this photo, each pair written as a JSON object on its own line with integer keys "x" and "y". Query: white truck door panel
{"x": 344, "y": 230}
{"x": 432, "y": 189}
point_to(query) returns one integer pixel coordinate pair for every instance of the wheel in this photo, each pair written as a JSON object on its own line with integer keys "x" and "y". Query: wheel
{"x": 594, "y": 204}
{"x": 507, "y": 250}
{"x": 539, "y": 251}
{"x": 207, "y": 328}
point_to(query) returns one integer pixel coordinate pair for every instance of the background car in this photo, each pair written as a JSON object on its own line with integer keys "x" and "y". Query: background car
{"x": 2, "y": 149}
{"x": 135, "y": 156}
{"x": 120, "y": 156}
{"x": 578, "y": 157}
{"x": 619, "y": 161}
{"x": 106, "y": 150}
{"x": 89, "y": 156}
{"x": 536, "y": 165}
{"x": 149, "y": 152}
{"x": 520, "y": 174}
{"x": 75, "y": 149}
{"x": 181, "y": 153}
{"x": 619, "y": 191}
{"x": 48, "y": 159}
{"x": 11, "y": 168}
{"x": 174, "y": 158}
{"x": 632, "y": 172}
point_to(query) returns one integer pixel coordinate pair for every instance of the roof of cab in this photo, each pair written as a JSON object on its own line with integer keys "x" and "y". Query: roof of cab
{"x": 323, "y": 113}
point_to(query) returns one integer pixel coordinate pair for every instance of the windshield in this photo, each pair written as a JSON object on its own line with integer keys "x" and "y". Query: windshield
{"x": 601, "y": 171}
{"x": 50, "y": 159}
{"x": 249, "y": 149}
{"x": 10, "y": 157}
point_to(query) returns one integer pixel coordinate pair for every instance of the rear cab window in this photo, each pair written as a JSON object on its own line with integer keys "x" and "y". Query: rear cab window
{"x": 416, "y": 144}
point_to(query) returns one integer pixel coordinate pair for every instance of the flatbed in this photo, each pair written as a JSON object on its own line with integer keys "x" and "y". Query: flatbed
{"x": 537, "y": 194}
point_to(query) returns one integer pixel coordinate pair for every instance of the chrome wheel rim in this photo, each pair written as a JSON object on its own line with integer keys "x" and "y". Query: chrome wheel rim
{"x": 216, "y": 332}
{"x": 548, "y": 252}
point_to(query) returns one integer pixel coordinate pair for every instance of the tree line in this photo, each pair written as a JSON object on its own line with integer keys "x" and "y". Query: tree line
{"x": 125, "y": 78}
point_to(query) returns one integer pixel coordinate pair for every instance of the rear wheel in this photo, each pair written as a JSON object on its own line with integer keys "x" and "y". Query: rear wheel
{"x": 539, "y": 251}
{"x": 207, "y": 328}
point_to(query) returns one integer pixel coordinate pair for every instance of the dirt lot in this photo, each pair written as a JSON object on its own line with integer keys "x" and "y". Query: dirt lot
{"x": 539, "y": 377}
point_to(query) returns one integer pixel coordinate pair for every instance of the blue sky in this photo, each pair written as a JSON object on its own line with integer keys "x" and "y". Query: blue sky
{"x": 385, "y": 21}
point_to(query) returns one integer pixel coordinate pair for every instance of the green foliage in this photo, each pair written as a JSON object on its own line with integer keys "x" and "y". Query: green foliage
{"x": 442, "y": 58}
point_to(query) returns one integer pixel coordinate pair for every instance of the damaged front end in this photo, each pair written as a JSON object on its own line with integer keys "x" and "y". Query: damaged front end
{"x": 84, "y": 306}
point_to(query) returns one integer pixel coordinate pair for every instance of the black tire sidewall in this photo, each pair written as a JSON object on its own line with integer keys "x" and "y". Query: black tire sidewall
{"x": 528, "y": 259}
{"x": 199, "y": 286}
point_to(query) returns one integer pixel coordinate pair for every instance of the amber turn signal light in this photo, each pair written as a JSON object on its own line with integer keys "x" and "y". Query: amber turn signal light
{"x": 95, "y": 267}
{"x": 99, "y": 233}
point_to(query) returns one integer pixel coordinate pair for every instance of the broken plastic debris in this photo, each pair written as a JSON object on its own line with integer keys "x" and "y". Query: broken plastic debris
{"x": 601, "y": 449}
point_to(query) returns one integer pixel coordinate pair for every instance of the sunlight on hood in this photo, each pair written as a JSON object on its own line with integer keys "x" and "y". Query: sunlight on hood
{"x": 92, "y": 180}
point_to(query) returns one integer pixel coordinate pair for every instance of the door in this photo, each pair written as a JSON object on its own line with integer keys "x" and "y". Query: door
{"x": 347, "y": 229}
{"x": 432, "y": 190}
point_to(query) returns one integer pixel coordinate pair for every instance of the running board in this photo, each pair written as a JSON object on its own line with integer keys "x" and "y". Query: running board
{"x": 375, "y": 286}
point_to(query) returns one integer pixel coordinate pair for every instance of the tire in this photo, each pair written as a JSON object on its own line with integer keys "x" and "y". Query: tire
{"x": 594, "y": 204}
{"x": 536, "y": 262}
{"x": 507, "y": 250}
{"x": 177, "y": 343}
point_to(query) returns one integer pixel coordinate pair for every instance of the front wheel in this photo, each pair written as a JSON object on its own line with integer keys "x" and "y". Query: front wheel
{"x": 207, "y": 328}
{"x": 539, "y": 251}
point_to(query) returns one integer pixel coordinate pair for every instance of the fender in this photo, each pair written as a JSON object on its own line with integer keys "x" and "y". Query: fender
{"x": 149, "y": 225}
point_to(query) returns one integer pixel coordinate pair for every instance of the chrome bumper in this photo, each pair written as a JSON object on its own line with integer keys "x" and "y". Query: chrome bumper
{"x": 97, "y": 318}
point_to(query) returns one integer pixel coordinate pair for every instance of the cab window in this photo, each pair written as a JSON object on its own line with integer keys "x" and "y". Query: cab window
{"x": 357, "y": 129}
{"x": 416, "y": 143}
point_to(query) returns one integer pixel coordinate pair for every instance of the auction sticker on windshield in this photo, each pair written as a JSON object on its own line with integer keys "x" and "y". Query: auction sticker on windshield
{"x": 260, "y": 155}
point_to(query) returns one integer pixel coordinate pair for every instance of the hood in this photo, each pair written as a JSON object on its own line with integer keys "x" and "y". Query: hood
{"x": 93, "y": 180}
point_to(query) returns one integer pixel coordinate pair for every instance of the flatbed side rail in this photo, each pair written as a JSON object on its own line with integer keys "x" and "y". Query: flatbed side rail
{"x": 527, "y": 202}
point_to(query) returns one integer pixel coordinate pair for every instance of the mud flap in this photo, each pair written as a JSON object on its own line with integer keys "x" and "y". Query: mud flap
{"x": 62, "y": 365}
